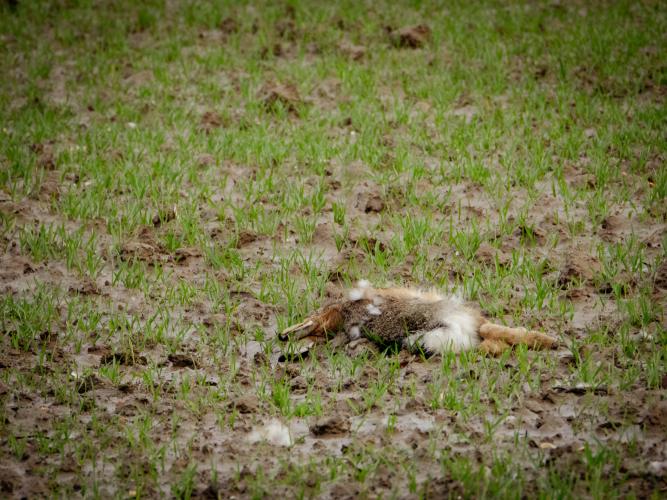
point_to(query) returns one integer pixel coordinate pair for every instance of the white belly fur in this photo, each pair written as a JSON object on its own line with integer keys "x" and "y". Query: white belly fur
{"x": 459, "y": 334}
{"x": 454, "y": 338}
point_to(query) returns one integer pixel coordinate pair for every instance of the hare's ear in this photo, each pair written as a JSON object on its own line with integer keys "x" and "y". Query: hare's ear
{"x": 299, "y": 331}
{"x": 329, "y": 320}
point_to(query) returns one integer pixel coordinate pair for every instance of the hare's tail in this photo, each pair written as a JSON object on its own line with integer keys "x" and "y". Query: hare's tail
{"x": 497, "y": 338}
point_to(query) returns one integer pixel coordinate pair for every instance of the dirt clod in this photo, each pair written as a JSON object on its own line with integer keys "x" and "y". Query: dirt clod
{"x": 229, "y": 25}
{"x": 286, "y": 95}
{"x": 143, "y": 247}
{"x": 246, "y": 404}
{"x": 45, "y": 155}
{"x": 246, "y": 238}
{"x": 373, "y": 203}
{"x": 181, "y": 255}
{"x": 163, "y": 217}
{"x": 179, "y": 360}
{"x": 412, "y": 37}
{"x": 210, "y": 121}
{"x": 354, "y": 52}
{"x": 87, "y": 383}
{"x": 656, "y": 415}
{"x": 488, "y": 255}
{"x": 578, "y": 267}
{"x": 123, "y": 358}
{"x": 661, "y": 276}
{"x": 286, "y": 28}
{"x": 205, "y": 160}
{"x": 330, "y": 426}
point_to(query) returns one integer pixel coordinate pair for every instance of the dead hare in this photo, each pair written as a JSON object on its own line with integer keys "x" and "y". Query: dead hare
{"x": 416, "y": 320}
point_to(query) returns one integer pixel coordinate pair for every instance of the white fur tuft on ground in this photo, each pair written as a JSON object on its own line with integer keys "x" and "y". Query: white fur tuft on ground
{"x": 274, "y": 432}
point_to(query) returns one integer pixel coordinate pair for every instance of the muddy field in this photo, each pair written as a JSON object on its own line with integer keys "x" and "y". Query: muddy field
{"x": 182, "y": 180}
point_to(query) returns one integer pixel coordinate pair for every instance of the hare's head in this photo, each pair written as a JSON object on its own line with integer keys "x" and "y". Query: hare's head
{"x": 345, "y": 315}
{"x": 319, "y": 327}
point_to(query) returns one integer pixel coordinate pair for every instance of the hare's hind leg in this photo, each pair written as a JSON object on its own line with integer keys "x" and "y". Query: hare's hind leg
{"x": 493, "y": 347}
{"x": 513, "y": 336}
